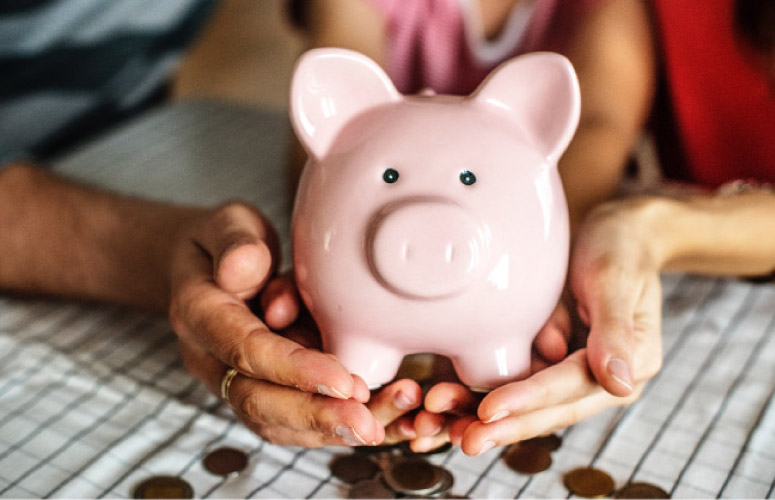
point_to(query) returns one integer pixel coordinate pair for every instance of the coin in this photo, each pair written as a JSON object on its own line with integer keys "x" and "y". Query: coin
{"x": 413, "y": 476}
{"x": 527, "y": 458}
{"x": 589, "y": 482}
{"x": 447, "y": 480}
{"x": 225, "y": 461}
{"x": 641, "y": 490}
{"x": 551, "y": 442}
{"x": 370, "y": 488}
{"x": 353, "y": 468}
{"x": 163, "y": 487}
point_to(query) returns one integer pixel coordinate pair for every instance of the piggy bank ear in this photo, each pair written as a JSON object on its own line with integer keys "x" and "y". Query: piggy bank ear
{"x": 540, "y": 92}
{"x": 331, "y": 86}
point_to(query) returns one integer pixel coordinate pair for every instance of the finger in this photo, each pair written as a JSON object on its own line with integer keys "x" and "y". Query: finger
{"x": 448, "y": 397}
{"x": 361, "y": 392}
{"x": 267, "y": 404}
{"x": 564, "y": 382}
{"x": 610, "y": 305}
{"x": 242, "y": 246}
{"x": 225, "y": 327}
{"x": 479, "y": 437}
{"x": 428, "y": 424}
{"x": 458, "y": 427}
{"x": 400, "y": 430}
{"x": 280, "y": 302}
{"x": 285, "y": 436}
{"x": 426, "y": 444}
{"x": 552, "y": 340}
{"x": 395, "y": 400}
{"x": 431, "y": 429}
{"x": 202, "y": 366}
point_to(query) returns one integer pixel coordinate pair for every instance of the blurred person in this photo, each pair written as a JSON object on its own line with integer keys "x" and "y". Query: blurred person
{"x": 71, "y": 69}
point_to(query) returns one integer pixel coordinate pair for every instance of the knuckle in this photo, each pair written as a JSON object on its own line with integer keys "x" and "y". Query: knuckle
{"x": 248, "y": 404}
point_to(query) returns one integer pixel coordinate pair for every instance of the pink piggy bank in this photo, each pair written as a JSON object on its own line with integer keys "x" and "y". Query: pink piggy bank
{"x": 431, "y": 223}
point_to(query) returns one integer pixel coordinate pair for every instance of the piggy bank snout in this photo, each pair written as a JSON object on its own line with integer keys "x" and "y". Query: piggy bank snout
{"x": 426, "y": 248}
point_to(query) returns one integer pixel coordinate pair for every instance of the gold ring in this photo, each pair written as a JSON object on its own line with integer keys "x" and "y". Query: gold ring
{"x": 226, "y": 383}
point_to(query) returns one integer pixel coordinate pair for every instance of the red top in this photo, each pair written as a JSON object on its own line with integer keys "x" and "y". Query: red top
{"x": 723, "y": 107}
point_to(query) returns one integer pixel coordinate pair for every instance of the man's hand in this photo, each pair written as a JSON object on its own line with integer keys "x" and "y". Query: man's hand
{"x": 285, "y": 392}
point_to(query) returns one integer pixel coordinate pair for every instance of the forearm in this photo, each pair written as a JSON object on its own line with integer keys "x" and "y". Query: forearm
{"x": 721, "y": 235}
{"x": 730, "y": 235}
{"x": 60, "y": 238}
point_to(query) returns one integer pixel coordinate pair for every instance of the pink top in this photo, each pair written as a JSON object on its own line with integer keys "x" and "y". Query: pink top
{"x": 439, "y": 44}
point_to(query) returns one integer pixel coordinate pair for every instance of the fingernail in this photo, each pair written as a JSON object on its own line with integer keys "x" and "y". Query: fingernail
{"x": 350, "y": 436}
{"x": 436, "y": 430}
{"x": 403, "y": 401}
{"x": 487, "y": 446}
{"x": 407, "y": 429}
{"x": 498, "y": 416}
{"x": 620, "y": 372}
{"x": 331, "y": 391}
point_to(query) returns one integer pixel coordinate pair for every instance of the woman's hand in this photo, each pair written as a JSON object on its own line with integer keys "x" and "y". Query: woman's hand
{"x": 450, "y": 407}
{"x": 285, "y": 392}
{"x": 614, "y": 278}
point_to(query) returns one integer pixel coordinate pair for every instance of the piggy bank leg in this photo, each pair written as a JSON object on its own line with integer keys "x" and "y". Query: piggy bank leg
{"x": 374, "y": 362}
{"x": 485, "y": 368}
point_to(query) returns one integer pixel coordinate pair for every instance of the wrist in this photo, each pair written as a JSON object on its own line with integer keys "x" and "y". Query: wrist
{"x": 647, "y": 222}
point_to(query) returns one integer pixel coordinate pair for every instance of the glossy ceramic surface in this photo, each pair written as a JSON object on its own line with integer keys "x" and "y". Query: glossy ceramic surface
{"x": 431, "y": 223}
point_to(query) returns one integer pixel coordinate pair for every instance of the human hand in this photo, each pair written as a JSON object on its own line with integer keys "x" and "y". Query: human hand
{"x": 450, "y": 406}
{"x": 392, "y": 405}
{"x": 614, "y": 277}
{"x": 285, "y": 392}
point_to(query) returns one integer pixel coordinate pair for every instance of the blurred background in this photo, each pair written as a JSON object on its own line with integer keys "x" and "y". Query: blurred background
{"x": 245, "y": 54}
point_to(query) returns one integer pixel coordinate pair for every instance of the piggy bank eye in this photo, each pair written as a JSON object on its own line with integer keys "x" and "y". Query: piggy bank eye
{"x": 390, "y": 176}
{"x": 467, "y": 177}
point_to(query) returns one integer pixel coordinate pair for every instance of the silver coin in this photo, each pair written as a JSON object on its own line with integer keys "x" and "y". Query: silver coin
{"x": 413, "y": 476}
{"x": 163, "y": 487}
{"x": 371, "y": 488}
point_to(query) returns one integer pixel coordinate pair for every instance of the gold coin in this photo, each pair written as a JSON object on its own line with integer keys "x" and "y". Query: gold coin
{"x": 225, "y": 461}
{"x": 527, "y": 458}
{"x": 641, "y": 490}
{"x": 163, "y": 487}
{"x": 589, "y": 482}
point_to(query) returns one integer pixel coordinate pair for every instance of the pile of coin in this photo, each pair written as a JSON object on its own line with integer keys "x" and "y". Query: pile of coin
{"x": 390, "y": 472}
{"x": 396, "y": 471}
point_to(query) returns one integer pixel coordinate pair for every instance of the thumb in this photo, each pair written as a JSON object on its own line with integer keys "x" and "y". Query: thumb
{"x": 611, "y": 341}
{"x": 243, "y": 249}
